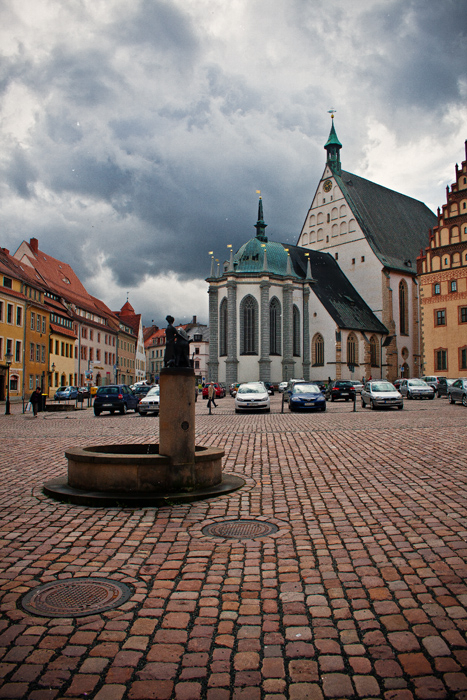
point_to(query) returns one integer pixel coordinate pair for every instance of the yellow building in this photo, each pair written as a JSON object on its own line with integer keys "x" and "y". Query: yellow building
{"x": 12, "y": 329}
{"x": 442, "y": 274}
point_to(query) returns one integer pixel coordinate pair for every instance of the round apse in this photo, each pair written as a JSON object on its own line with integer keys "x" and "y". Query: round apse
{"x": 76, "y": 597}
{"x": 240, "y": 529}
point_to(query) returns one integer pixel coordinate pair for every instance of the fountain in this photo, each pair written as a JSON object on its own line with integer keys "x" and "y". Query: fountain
{"x": 173, "y": 471}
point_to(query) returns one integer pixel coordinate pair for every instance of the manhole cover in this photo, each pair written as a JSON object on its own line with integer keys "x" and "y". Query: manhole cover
{"x": 240, "y": 529}
{"x": 75, "y": 597}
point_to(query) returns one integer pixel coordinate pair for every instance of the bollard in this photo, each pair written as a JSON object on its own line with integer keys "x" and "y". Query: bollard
{"x": 355, "y": 402}
{"x": 282, "y": 405}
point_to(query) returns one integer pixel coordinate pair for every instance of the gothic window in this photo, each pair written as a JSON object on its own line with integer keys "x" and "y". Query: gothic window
{"x": 352, "y": 349}
{"x": 249, "y": 326}
{"x": 317, "y": 356}
{"x": 296, "y": 331}
{"x": 403, "y": 308}
{"x": 275, "y": 327}
{"x": 374, "y": 351}
{"x": 223, "y": 327}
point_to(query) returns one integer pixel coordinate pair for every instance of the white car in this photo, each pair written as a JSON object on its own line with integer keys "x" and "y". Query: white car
{"x": 150, "y": 402}
{"x": 381, "y": 394}
{"x": 282, "y": 387}
{"x": 252, "y": 396}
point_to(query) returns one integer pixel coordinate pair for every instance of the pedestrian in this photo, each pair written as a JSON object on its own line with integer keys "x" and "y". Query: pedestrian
{"x": 35, "y": 400}
{"x": 212, "y": 396}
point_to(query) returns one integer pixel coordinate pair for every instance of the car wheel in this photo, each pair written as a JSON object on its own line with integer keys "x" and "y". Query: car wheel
{"x": 409, "y": 395}
{"x": 363, "y": 403}
{"x": 237, "y": 411}
{"x": 400, "y": 407}
{"x": 432, "y": 397}
{"x": 347, "y": 399}
{"x": 324, "y": 408}
{"x": 112, "y": 412}
{"x": 451, "y": 400}
{"x": 97, "y": 412}
{"x": 123, "y": 409}
{"x": 464, "y": 400}
{"x": 332, "y": 398}
{"x": 373, "y": 407}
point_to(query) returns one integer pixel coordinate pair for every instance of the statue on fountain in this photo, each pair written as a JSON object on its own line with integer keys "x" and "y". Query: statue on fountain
{"x": 177, "y": 346}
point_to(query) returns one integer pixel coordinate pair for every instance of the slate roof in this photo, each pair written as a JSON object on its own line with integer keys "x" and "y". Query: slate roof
{"x": 333, "y": 289}
{"x": 395, "y": 226}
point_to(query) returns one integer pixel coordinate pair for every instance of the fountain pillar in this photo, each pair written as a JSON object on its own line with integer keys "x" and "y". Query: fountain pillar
{"x": 177, "y": 415}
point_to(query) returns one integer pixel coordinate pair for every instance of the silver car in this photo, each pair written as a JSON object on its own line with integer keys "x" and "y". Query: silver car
{"x": 150, "y": 402}
{"x": 458, "y": 392}
{"x": 416, "y": 389}
{"x": 381, "y": 394}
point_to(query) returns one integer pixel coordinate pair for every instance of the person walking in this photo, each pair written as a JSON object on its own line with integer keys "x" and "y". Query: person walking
{"x": 35, "y": 400}
{"x": 212, "y": 396}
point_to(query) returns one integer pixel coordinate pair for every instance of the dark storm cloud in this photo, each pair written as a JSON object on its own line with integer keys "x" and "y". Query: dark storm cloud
{"x": 20, "y": 173}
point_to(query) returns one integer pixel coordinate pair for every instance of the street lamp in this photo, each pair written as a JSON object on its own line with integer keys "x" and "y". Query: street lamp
{"x": 8, "y": 360}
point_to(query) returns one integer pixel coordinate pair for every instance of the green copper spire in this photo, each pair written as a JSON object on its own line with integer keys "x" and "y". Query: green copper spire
{"x": 333, "y": 146}
{"x": 260, "y": 226}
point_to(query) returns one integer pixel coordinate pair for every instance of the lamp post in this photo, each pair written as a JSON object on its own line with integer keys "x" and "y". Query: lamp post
{"x": 8, "y": 360}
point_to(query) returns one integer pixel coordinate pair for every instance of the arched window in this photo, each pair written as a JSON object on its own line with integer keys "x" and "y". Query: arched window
{"x": 249, "y": 326}
{"x": 317, "y": 351}
{"x": 275, "y": 326}
{"x": 320, "y": 218}
{"x": 403, "y": 308}
{"x": 374, "y": 351}
{"x": 352, "y": 349}
{"x": 296, "y": 331}
{"x": 334, "y": 213}
{"x": 223, "y": 327}
{"x": 342, "y": 210}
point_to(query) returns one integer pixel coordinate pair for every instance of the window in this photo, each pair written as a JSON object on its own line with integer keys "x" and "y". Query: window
{"x": 7, "y": 282}
{"x": 374, "y": 351}
{"x": 57, "y": 347}
{"x": 336, "y": 256}
{"x": 440, "y": 317}
{"x": 90, "y": 334}
{"x": 38, "y": 323}
{"x": 274, "y": 326}
{"x": 9, "y": 313}
{"x": 38, "y": 353}
{"x": 463, "y": 358}
{"x": 196, "y": 364}
{"x": 42, "y": 353}
{"x": 196, "y": 351}
{"x": 1, "y": 310}
{"x": 453, "y": 286}
{"x": 463, "y": 314}
{"x": 317, "y": 351}
{"x": 437, "y": 288}
{"x": 32, "y": 350}
{"x": 441, "y": 360}
{"x": 31, "y": 381}
{"x": 223, "y": 327}
{"x": 296, "y": 331}
{"x": 18, "y": 351}
{"x": 44, "y": 324}
{"x": 403, "y": 308}
{"x": 352, "y": 350}
{"x": 249, "y": 326}
{"x": 19, "y": 315}
{"x": 362, "y": 258}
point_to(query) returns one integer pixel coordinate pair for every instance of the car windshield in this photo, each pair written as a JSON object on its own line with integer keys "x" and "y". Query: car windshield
{"x": 416, "y": 382}
{"x": 154, "y": 391}
{"x": 382, "y": 386}
{"x": 108, "y": 390}
{"x": 344, "y": 384}
{"x": 251, "y": 389}
{"x": 306, "y": 389}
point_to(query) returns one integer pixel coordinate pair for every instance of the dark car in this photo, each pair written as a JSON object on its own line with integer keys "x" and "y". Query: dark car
{"x": 141, "y": 390}
{"x": 306, "y": 396}
{"x": 270, "y": 388}
{"x": 84, "y": 392}
{"x": 458, "y": 392}
{"x": 115, "y": 397}
{"x": 340, "y": 389}
{"x": 220, "y": 390}
{"x": 443, "y": 385}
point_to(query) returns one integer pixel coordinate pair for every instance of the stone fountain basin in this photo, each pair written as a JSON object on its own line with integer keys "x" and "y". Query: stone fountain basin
{"x": 141, "y": 469}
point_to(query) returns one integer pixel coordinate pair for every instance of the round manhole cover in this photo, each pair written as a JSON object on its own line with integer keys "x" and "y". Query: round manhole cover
{"x": 240, "y": 529}
{"x": 76, "y": 597}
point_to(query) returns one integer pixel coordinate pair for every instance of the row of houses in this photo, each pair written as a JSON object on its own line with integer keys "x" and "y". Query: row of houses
{"x": 54, "y": 333}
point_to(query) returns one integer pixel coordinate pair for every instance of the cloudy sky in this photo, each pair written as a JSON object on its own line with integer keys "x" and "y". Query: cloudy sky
{"x": 135, "y": 133}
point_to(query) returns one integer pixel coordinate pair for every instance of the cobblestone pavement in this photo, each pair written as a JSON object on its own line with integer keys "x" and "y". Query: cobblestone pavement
{"x": 360, "y": 593}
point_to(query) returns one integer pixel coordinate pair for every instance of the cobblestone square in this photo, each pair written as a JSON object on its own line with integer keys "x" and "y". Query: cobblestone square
{"x": 360, "y": 592}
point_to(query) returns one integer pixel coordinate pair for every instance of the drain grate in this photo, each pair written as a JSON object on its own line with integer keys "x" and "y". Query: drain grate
{"x": 76, "y": 597}
{"x": 240, "y": 529}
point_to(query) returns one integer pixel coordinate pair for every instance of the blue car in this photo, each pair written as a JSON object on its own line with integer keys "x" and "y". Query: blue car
{"x": 66, "y": 392}
{"x": 306, "y": 396}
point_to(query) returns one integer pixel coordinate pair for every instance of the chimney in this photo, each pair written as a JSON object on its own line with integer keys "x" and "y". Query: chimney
{"x": 194, "y": 320}
{"x": 34, "y": 245}
{"x": 6, "y": 251}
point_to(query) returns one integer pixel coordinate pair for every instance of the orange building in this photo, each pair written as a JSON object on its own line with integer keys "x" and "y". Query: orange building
{"x": 442, "y": 275}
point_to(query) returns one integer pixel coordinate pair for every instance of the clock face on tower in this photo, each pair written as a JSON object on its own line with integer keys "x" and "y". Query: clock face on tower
{"x": 327, "y": 187}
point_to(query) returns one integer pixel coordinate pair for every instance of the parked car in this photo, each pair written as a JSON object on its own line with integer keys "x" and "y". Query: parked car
{"x": 443, "y": 385}
{"x": 252, "y": 396}
{"x": 66, "y": 392}
{"x": 340, "y": 389}
{"x": 306, "y": 396}
{"x": 381, "y": 394}
{"x": 150, "y": 402}
{"x": 115, "y": 397}
{"x": 282, "y": 387}
{"x": 220, "y": 391}
{"x": 397, "y": 383}
{"x": 290, "y": 385}
{"x": 270, "y": 388}
{"x": 416, "y": 389}
{"x": 84, "y": 392}
{"x": 458, "y": 392}
{"x": 141, "y": 390}
{"x": 433, "y": 381}
{"x": 358, "y": 386}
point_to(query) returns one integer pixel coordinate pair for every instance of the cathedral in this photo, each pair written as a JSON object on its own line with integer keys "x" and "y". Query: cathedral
{"x": 341, "y": 304}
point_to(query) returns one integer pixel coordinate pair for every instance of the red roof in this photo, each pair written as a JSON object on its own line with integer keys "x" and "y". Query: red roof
{"x": 62, "y": 331}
